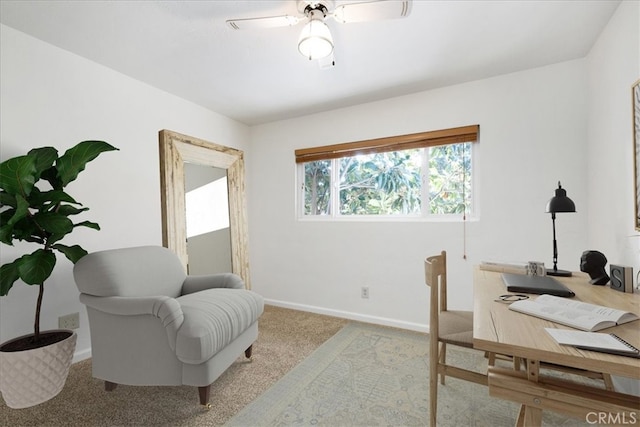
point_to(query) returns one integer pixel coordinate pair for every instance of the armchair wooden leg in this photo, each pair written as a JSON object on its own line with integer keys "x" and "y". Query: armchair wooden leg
{"x": 204, "y": 395}
{"x": 248, "y": 352}
{"x": 109, "y": 386}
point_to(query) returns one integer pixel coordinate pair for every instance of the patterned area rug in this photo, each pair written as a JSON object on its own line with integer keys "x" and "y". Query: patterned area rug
{"x": 369, "y": 375}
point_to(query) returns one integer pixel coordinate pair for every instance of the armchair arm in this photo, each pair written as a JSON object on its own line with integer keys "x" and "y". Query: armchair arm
{"x": 210, "y": 281}
{"x": 166, "y": 309}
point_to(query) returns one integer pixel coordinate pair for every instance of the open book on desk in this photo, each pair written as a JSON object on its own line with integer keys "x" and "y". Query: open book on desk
{"x": 594, "y": 341}
{"x": 577, "y": 314}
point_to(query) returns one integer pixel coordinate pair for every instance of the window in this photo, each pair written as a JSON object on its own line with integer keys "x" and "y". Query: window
{"x": 419, "y": 175}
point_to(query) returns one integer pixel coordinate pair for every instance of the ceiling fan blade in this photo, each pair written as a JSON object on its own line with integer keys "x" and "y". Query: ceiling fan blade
{"x": 260, "y": 23}
{"x": 372, "y": 11}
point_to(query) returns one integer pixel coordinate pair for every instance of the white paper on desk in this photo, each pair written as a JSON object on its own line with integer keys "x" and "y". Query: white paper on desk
{"x": 586, "y": 339}
{"x": 606, "y": 313}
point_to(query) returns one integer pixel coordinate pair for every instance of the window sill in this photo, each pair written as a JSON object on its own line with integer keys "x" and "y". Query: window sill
{"x": 387, "y": 218}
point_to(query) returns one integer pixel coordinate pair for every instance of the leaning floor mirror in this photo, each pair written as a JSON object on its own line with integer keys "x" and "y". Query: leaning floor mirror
{"x": 204, "y": 218}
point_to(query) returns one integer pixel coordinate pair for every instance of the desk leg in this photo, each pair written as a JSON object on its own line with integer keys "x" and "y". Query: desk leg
{"x": 529, "y": 415}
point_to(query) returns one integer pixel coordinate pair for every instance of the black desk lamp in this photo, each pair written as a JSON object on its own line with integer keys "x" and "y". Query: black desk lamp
{"x": 558, "y": 203}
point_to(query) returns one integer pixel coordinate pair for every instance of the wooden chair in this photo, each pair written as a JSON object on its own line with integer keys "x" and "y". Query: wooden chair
{"x": 445, "y": 327}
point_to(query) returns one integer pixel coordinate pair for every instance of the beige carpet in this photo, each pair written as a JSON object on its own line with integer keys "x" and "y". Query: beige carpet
{"x": 286, "y": 338}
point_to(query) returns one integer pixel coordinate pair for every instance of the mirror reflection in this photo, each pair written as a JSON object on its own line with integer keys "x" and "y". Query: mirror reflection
{"x": 207, "y": 215}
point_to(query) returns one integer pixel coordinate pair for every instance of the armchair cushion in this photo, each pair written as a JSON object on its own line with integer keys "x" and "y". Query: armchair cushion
{"x": 220, "y": 280}
{"x": 212, "y": 319}
{"x": 125, "y": 273}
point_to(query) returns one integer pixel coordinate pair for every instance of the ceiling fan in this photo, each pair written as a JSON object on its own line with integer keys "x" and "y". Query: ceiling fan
{"x": 315, "y": 39}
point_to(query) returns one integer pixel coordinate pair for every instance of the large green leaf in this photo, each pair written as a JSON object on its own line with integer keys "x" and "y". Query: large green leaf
{"x": 51, "y": 175}
{"x": 74, "y": 160}
{"x": 5, "y": 227}
{"x": 9, "y": 218}
{"x": 70, "y": 210}
{"x": 53, "y": 222}
{"x": 21, "y": 211}
{"x": 89, "y": 224}
{"x": 7, "y": 199}
{"x": 45, "y": 157}
{"x": 27, "y": 229}
{"x": 36, "y": 267}
{"x": 46, "y": 199}
{"x": 73, "y": 253}
{"x": 18, "y": 175}
{"x": 8, "y": 275}
{"x": 6, "y": 234}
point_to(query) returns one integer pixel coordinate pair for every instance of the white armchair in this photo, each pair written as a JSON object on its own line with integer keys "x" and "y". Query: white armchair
{"x": 151, "y": 324}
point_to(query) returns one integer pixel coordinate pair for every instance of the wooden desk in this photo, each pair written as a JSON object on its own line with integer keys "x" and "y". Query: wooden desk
{"x": 500, "y": 330}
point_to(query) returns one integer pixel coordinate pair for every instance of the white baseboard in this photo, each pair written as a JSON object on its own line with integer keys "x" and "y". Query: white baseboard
{"x": 418, "y": 327}
{"x": 79, "y": 356}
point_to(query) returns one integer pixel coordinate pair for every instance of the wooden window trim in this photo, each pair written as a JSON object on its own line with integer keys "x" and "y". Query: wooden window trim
{"x": 392, "y": 143}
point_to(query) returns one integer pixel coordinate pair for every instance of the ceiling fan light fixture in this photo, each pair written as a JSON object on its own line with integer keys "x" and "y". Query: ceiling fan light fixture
{"x": 315, "y": 39}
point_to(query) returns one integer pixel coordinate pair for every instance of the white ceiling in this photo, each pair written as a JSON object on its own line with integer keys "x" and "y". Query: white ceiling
{"x": 258, "y": 76}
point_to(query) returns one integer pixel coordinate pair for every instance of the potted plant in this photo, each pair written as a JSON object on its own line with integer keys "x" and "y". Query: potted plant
{"x": 33, "y": 211}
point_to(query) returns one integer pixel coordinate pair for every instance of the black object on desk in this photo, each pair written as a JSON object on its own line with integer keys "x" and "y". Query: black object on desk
{"x": 535, "y": 285}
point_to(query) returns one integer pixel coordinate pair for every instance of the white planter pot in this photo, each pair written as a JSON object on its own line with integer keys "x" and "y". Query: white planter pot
{"x": 30, "y": 377}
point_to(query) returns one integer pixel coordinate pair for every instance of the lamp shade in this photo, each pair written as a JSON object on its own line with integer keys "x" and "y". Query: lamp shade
{"x": 315, "y": 39}
{"x": 560, "y": 202}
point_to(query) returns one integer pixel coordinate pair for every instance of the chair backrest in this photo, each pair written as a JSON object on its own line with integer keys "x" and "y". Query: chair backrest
{"x": 435, "y": 276}
{"x": 137, "y": 271}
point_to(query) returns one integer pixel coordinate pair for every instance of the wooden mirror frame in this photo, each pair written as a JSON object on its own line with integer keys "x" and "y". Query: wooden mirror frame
{"x": 176, "y": 150}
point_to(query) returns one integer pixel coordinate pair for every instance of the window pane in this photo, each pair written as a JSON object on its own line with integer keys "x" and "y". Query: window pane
{"x": 450, "y": 178}
{"x": 317, "y": 187}
{"x": 381, "y": 183}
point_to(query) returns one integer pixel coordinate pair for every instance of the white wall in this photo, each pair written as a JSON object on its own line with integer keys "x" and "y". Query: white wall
{"x": 52, "y": 97}
{"x": 532, "y": 134}
{"x": 613, "y": 65}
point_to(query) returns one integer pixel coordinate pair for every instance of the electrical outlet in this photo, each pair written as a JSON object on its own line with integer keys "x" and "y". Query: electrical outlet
{"x": 70, "y": 321}
{"x": 364, "y": 292}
